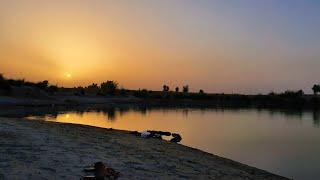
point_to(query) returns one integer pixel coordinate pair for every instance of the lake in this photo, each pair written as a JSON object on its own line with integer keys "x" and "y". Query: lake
{"x": 283, "y": 142}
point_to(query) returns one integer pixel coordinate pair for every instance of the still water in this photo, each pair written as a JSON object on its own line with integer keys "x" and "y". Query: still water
{"x": 283, "y": 142}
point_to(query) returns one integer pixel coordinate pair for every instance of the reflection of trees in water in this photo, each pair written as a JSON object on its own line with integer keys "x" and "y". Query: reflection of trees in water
{"x": 80, "y": 112}
{"x": 112, "y": 112}
{"x": 294, "y": 113}
{"x": 185, "y": 112}
{"x": 143, "y": 110}
{"x": 298, "y": 113}
{"x": 316, "y": 118}
{"x": 123, "y": 110}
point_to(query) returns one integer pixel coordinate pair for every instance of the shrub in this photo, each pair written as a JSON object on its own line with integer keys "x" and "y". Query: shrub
{"x": 93, "y": 89}
{"x": 185, "y": 89}
{"x": 291, "y": 94}
{"x": 4, "y": 84}
{"x": 165, "y": 88}
{"x": 109, "y": 87}
{"x": 42, "y": 85}
{"x": 316, "y": 89}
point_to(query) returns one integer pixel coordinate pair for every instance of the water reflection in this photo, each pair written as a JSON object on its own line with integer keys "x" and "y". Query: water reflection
{"x": 316, "y": 118}
{"x": 112, "y": 113}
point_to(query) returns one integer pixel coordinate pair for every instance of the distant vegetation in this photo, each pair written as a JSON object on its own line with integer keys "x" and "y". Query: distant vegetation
{"x": 4, "y": 85}
{"x": 185, "y": 89}
{"x": 316, "y": 89}
{"x": 166, "y": 88}
{"x": 7, "y": 85}
{"x": 109, "y": 87}
{"x": 287, "y": 98}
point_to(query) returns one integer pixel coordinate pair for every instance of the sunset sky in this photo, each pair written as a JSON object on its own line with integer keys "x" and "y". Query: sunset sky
{"x": 243, "y": 46}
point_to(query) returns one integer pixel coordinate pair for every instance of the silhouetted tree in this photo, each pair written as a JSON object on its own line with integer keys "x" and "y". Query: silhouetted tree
{"x": 185, "y": 89}
{"x": 93, "y": 89}
{"x": 300, "y": 92}
{"x": 272, "y": 93}
{"x": 4, "y": 84}
{"x": 109, "y": 87}
{"x": 43, "y": 85}
{"x": 165, "y": 88}
{"x": 292, "y": 94}
{"x": 201, "y": 91}
{"x": 177, "y": 89}
{"x": 93, "y": 85}
{"x": 316, "y": 89}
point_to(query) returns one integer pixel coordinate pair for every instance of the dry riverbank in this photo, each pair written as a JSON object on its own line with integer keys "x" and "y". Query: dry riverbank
{"x": 36, "y": 150}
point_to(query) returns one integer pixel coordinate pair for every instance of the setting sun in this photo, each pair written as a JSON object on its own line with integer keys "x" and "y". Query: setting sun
{"x": 68, "y": 75}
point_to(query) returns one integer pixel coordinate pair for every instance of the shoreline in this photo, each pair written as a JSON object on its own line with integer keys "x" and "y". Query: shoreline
{"x": 39, "y": 149}
{"x": 74, "y": 101}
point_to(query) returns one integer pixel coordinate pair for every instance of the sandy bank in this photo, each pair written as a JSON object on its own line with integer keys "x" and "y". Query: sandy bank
{"x": 37, "y": 150}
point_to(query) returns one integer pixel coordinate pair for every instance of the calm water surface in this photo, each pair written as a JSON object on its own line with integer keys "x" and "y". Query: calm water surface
{"x": 285, "y": 143}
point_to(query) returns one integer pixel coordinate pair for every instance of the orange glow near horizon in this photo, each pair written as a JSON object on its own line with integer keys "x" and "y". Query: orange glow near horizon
{"x": 158, "y": 43}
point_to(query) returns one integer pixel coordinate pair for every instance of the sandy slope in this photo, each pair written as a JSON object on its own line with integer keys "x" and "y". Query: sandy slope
{"x": 46, "y": 150}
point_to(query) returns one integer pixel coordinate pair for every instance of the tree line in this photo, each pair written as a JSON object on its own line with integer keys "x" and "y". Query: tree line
{"x": 316, "y": 89}
{"x": 185, "y": 89}
{"x": 111, "y": 87}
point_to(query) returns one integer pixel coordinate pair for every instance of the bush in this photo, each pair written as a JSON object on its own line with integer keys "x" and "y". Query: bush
{"x": 4, "y": 84}
{"x": 185, "y": 89}
{"x": 109, "y": 87}
{"x": 292, "y": 94}
{"x": 43, "y": 84}
{"x": 165, "y": 88}
{"x": 93, "y": 89}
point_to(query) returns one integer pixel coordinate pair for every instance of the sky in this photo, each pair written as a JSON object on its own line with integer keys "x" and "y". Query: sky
{"x": 234, "y": 46}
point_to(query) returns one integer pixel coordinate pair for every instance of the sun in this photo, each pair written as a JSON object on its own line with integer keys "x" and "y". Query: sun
{"x": 68, "y": 75}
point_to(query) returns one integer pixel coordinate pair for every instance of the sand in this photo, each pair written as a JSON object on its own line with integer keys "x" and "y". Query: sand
{"x": 48, "y": 150}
